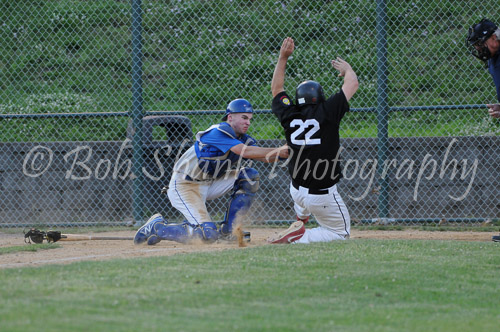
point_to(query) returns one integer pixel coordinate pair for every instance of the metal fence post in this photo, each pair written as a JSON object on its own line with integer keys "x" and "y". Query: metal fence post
{"x": 382, "y": 107}
{"x": 137, "y": 111}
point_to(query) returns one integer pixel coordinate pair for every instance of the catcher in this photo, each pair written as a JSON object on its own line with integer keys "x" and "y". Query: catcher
{"x": 208, "y": 170}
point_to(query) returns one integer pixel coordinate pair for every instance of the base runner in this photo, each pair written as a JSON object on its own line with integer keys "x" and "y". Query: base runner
{"x": 311, "y": 127}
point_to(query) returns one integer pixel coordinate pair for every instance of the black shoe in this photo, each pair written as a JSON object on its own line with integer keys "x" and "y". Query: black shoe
{"x": 496, "y": 238}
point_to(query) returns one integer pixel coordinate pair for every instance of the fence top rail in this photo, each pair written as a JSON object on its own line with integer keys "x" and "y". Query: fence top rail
{"x": 63, "y": 115}
{"x": 436, "y": 107}
{"x": 120, "y": 114}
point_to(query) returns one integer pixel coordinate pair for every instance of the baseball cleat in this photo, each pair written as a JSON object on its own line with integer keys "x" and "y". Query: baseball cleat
{"x": 304, "y": 220}
{"x": 153, "y": 239}
{"x": 147, "y": 229}
{"x": 292, "y": 234}
{"x": 495, "y": 238}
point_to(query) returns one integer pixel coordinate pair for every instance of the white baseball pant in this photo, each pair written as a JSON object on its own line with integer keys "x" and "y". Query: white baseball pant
{"x": 189, "y": 197}
{"x": 329, "y": 210}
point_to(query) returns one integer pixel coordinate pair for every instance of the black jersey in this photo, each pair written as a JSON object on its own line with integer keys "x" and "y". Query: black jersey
{"x": 312, "y": 133}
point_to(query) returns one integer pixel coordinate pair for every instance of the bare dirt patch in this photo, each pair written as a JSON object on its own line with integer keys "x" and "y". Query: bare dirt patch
{"x": 96, "y": 250}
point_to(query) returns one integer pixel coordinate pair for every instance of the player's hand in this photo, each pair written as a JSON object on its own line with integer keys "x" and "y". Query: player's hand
{"x": 494, "y": 110}
{"x": 284, "y": 153}
{"x": 341, "y": 65}
{"x": 287, "y": 47}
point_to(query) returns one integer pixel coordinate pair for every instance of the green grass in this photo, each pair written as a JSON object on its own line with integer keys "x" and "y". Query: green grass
{"x": 433, "y": 228}
{"x": 32, "y": 247}
{"x": 69, "y": 230}
{"x": 358, "y": 285}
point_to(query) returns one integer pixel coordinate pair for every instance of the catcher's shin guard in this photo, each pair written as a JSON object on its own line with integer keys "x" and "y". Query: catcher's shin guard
{"x": 244, "y": 191}
{"x": 182, "y": 233}
{"x": 173, "y": 232}
{"x": 207, "y": 231}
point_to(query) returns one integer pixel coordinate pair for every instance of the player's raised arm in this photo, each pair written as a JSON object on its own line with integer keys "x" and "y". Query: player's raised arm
{"x": 351, "y": 83}
{"x": 278, "y": 82}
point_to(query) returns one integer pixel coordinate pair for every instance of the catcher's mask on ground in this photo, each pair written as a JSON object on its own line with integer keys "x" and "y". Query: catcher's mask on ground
{"x": 477, "y": 36}
{"x": 309, "y": 93}
{"x": 37, "y": 236}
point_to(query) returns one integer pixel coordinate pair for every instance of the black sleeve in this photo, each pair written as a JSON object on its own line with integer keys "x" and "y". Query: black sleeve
{"x": 337, "y": 106}
{"x": 281, "y": 104}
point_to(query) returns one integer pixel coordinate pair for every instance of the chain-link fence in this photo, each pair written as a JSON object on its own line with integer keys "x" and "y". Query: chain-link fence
{"x": 78, "y": 76}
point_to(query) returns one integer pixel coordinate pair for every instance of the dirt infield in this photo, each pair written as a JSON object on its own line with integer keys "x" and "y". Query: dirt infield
{"x": 95, "y": 250}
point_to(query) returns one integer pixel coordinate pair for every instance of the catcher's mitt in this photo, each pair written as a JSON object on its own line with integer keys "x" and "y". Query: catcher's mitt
{"x": 37, "y": 236}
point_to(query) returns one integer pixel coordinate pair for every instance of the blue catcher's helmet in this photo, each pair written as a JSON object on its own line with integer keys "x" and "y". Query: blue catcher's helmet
{"x": 238, "y": 106}
{"x": 309, "y": 92}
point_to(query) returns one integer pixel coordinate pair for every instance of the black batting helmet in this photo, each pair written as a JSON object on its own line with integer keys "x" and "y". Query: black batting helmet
{"x": 478, "y": 34}
{"x": 309, "y": 93}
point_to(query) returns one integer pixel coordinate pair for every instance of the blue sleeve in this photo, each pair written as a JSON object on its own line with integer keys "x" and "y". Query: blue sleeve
{"x": 494, "y": 68}
{"x": 220, "y": 140}
{"x": 497, "y": 84}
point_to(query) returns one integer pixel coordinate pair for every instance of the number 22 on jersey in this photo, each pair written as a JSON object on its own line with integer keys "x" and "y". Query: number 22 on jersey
{"x": 308, "y": 127}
